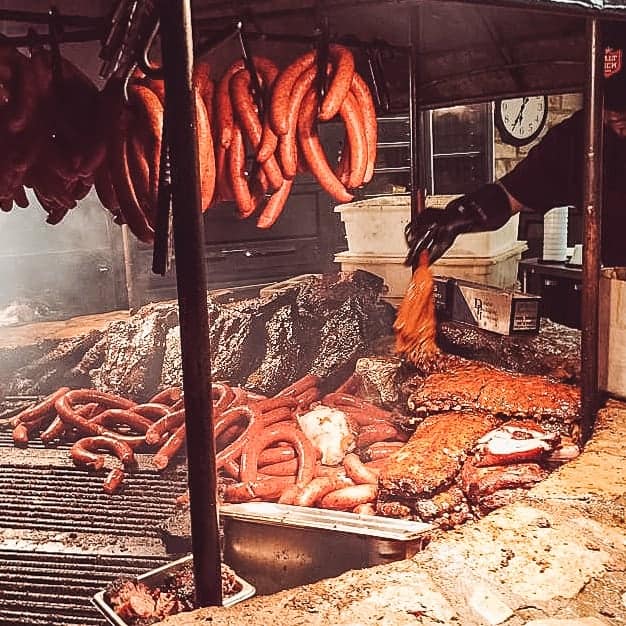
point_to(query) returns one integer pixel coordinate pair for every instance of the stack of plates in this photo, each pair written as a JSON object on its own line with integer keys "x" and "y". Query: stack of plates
{"x": 555, "y": 234}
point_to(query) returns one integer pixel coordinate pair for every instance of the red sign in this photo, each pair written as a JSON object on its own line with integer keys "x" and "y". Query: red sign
{"x": 612, "y": 61}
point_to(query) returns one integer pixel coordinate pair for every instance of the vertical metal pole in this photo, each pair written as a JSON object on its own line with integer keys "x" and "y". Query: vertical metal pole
{"x": 177, "y": 53}
{"x": 132, "y": 290}
{"x": 592, "y": 211}
{"x": 417, "y": 182}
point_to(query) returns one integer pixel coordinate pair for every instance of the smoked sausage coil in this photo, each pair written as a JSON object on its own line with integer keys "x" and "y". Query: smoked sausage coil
{"x": 317, "y": 489}
{"x": 279, "y": 401}
{"x": 222, "y": 396}
{"x": 46, "y": 407}
{"x": 283, "y": 468}
{"x": 164, "y": 425}
{"x": 206, "y": 155}
{"x": 343, "y": 63}
{"x": 342, "y": 399}
{"x": 113, "y": 480}
{"x": 279, "y": 454}
{"x": 84, "y": 451}
{"x": 267, "y": 488}
{"x": 167, "y": 396}
{"x": 165, "y": 453}
{"x": 355, "y": 132}
{"x": 382, "y": 449}
{"x": 250, "y": 433}
{"x": 346, "y": 498}
{"x": 274, "y": 206}
{"x": 223, "y": 105}
{"x": 376, "y": 432}
{"x": 288, "y": 146}
{"x": 281, "y": 94}
{"x": 368, "y": 110}
{"x": 246, "y": 203}
{"x": 313, "y": 152}
{"x": 71, "y": 417}
{"x": 23, "y": 430}
{"x": 148, "y": 116}
{"x": 122, "y": 178}
{"x": 358, "y": 472}
{"x": 271, "y": 435}
{"x": 250, "y": 124}
{"x": 299, "y": 386}
{"x": 152, "y": 410}
{"x": 280, "y": 414}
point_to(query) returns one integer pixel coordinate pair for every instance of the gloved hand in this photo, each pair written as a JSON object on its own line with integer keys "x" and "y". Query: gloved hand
{"x": 435, "y": 230}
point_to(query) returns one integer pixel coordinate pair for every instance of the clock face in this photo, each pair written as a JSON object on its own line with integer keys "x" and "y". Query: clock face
{"x": 520, "y": 120}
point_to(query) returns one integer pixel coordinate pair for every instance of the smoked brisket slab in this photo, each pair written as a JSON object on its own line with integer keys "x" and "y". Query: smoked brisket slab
{"x": 553, "y": 352}
{"x": 434, "y": 454}
{"x": 321, "y": 324}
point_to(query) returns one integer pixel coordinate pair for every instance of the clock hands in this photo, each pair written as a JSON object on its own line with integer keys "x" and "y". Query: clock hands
{"x": 518, "y": 119}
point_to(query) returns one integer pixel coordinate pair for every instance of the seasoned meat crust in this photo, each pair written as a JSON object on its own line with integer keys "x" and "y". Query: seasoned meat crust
{"x": 433, "y": 456}
{"x": 478, "y": 386}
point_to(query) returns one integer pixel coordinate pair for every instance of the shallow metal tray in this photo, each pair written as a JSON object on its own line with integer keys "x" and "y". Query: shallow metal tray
{"x": 154, "y": 578}
{"x": 280, "y": 546}
{"x": 324, "y": 519}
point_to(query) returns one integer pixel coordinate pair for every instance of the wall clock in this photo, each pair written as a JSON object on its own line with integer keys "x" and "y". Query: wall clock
{"x": 520, "y": 120}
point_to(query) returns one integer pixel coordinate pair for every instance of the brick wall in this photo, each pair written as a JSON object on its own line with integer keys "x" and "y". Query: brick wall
{"x": 559, "y": 108}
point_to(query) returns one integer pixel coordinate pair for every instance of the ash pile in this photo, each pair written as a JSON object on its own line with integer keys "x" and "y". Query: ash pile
{"x": 320, "y": 325}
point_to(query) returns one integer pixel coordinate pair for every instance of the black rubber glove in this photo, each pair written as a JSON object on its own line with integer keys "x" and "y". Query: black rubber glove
{"x": 435, "y": 230}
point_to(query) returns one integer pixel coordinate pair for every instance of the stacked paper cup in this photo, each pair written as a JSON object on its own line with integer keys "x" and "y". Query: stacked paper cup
{"x": 555, "y": 234}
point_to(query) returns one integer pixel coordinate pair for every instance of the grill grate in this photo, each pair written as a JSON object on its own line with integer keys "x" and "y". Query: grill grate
{"x": 6, "y": 441}
{"x": 71, "y": 500}
{"x": 52, "y": 589}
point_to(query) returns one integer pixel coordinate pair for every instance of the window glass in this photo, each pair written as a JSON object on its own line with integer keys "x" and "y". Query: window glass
{"x": 461, "y": 148}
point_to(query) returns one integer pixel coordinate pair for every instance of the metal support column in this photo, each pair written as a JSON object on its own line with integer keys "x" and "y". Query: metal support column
{"x": 177, "y": 53}
{"x": 592, "y": 211}
{"x": 415, "y": 115}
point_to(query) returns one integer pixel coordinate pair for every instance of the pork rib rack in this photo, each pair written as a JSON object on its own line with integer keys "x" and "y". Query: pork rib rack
{"x": 478, "y": 386}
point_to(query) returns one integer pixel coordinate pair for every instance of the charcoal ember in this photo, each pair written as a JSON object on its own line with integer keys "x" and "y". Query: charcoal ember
{"x": 55, "y": 368}
{"x": 479, "y": 386}
{"x": 434, "y": 454}
{"x": 479, "y": 482}
{"x": 553, "y": 352}
{"x": 134, "y": 352}
{"x": 283, "y": 352}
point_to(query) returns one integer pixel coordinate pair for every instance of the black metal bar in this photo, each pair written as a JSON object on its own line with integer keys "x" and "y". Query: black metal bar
{"x": 246, "y": 55}
{"x": 216, "y": 39}
{"x": 592, "y": 211}
{"x": 160, "y": 253}
{"x": 347, "y": 40}
{"x": 35, "y": 39}
{"x": 36, "y": 17}
{"x": 416, "y": 180}
{"x": 321, "y": 47}
{"x": 191, "y": 279}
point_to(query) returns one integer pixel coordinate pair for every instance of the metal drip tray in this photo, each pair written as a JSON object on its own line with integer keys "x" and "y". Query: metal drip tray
{"x": 155, "y": 578}
{"x": 277, "y": 546}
